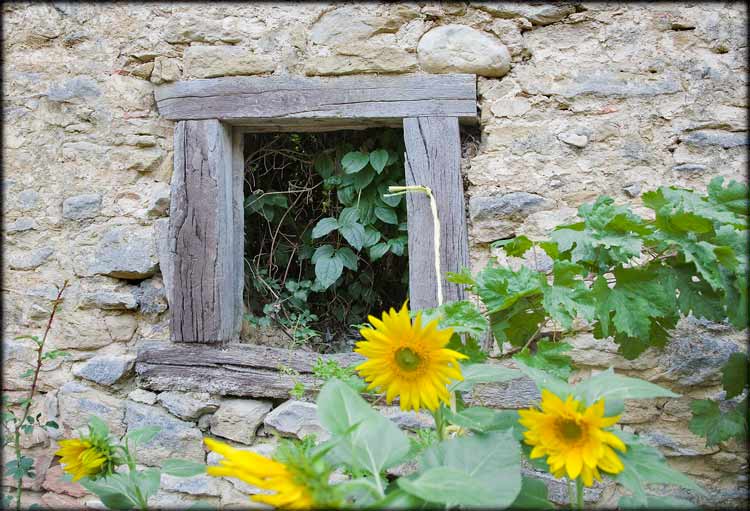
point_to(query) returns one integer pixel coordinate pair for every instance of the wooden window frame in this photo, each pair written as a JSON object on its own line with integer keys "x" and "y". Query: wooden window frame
{"x": 204, "y": 275}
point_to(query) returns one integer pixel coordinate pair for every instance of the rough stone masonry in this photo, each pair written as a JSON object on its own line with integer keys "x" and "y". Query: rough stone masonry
{"x": 576, "y": 99}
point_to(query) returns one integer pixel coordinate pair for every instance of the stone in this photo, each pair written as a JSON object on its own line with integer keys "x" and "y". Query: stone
{"x": 54, "y": 482}
{"x": 138, "y": 160}
{"x": 188, "y": 405}
{"x": 121, "y": 327}
{"x": 166, "y": 70}
{"x": 212, "y": 61}
{"x": 21, "y": 224}
{"x": 82, "y": 206}
{"x": 537, "y": 14}
{"x": 142, "y": 396}
{"x": 238, "y": 419}
{"x": 690, "y": 168}
{"x": 495, "y": 217}
{"x": 723, "y": 139}
{"x": 105, "y": 369}
{"x": 27, "y": 199}
{"x": 462, "y": 49}
{"x": 56, "y": 501}
{"x": 573, "y": 139}
{"x": 632, "y": 190}
{"x": 78, "y": 402}
{"x": 410, "y": 420}
{"x": 80, "y": 87}
{"x": 29, "y": 260}
{"x": 165, "y": 251}
{"x": 195, "y": 485}
{"x": 189, "y": 28}
{"x": 609, "y": 84}
{"x": 348, "y": 24}
{"x": 176, "y": 439}
{"x": 158, "y": 201}
{"x": 362, "y": 58}
{"x": 126, "y": 253}
{"x": 514, "y": 107}
{"x": 108, "y": 300}
{"x": 296, "y": 419}
{"x": 152, "y": 297}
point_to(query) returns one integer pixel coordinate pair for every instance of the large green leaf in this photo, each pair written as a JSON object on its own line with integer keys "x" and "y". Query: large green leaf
{"x": 449, "y": 486}
{"x": 328, "y": 266}
{"x": 492, "y": 460}
{"x": 114, "y": 491}
{"x": 483, "y": 373}
{"x": 483, "y": 420}
{"x": 654, "y": 502}
{"x": 354, "y": 161}
{"x": 348, "y": 258}
{"x": 709, "y": 422}
{"x": 550, "y": 356}
{"x": 142, "y": 435}
{"x": 568, "y": 297}
{"x": 533, "y": 495}
{"x": 514, "y": 247}
{"x": 182, "y": 468}
{"x": 354, "y": 234}
{"x": 644, "y": 465}
{"x": 387, "y": 215}
{"x": 461, "y": 315}
{"x": 324, "y": 226}
{"x": 379, "y": 159}
{"x": 323, "y": 165}
{"x": 545, "y": 380}
{"x": 734, "y": 375}
{"x": 370, "y": 441}
{"x": 608, "y": 386}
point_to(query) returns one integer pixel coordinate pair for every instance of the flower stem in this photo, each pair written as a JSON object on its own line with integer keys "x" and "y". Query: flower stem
{"x": 579, "y": 493}
{"x": 570, "y": 492}
{"x": 32, "y": 391}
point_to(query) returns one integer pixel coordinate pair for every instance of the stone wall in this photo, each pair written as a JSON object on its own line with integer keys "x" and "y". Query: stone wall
{"x": 576, "y": 100}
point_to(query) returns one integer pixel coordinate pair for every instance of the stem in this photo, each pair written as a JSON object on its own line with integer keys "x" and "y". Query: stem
{"x": 437, "y": 416}
{"x": 579, "y": 493}
{"x": 570, "y": 492}
{"x": 32, "y": 391}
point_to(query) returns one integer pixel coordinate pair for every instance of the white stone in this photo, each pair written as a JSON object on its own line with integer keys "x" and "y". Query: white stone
{"x": 211, "y": 61}
{"x": 188, "y": 405}
{"x": 104, "y": 369}
{"x": 462, "y": 49}
{"x": 574, "y": 139}
{"x": 142, "y": 396}
{"x": 238, "y": 419}
{"x": 297, "y": 419}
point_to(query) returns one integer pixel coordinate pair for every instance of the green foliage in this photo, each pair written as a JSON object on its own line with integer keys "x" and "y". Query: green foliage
{"x": 550, "y": 357}
{"x": 325, "y": 370}
{"x": 708, "y": 421}
{"x": 325, "y": 245}
{"x": 734, "y": 375}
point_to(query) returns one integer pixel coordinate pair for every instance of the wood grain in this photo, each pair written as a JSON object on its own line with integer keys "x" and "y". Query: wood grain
{"x": 205, "y": 297}
{"x": 433, "y": 159}
{"x": 305, "y": 101}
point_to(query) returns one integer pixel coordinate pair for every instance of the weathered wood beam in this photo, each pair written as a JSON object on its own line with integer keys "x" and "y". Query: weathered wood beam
{"x": 205, "y": 221}
{"x": 433, "y": 159}
{"x": 306, "y": 101}
{"x": 247, "y": 370}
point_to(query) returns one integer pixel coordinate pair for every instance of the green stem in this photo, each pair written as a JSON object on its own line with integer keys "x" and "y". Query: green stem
{"x": 570, "y": 492}
{"x": 579, "y": 493}
{"x": 437, "y": 416}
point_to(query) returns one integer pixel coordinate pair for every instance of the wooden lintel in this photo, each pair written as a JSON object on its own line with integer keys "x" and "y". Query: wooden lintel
{"x": 289, "y": 101}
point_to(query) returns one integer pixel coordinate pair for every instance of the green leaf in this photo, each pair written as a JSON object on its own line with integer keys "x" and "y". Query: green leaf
{"x": 346, "y": 195}
{"x": 377, "y": 251}
{"x": 142, "y": 435}
{"x": 734, "y": 375}
{"x": 147, "y": 481}
{"x": 644, "y": 465}
{"x": 354, "y": 234}
{"x": 348, "y": 258}
{"x": 322, "y": 251}
{"x": 328, "y": 267}
{"x": 109, "y": 493}
{"x": 734, "y": 197}
{"x": 533, "y": 495}
{"x": 53, "y": 354}
{"x": 363, "y": 178}
{"x": 397, "y": 245}
{"x": 387, "y": 215}
{"x": 514, "y": 247}
{"x": 544, "y": 380}
{"x": 607, "y": 385}
{"x": 182, "y": 468}
{"x": 483, "y": 373}
{"x": 98, "y": 427}
{"x": 379, "y": 159}
{"x": 462, "y": 316}
{"x": 354, "y": 161}
{"x": 51, "y": 425}
{"x": 323, "y": 165}
{"x": 324, "y": 226}
{"x": 370, "y": 441}
{"x": 550, "y": 356}
{"x": 568, "y": 297}
{"x": 654, "y": 502}
{"x": 372, "y": 236}
{"x": 449, "y": 486}
{"x": 492, "y": 460}
{"x": 470, "y": 347}
{"x": 483, "y": 420}
{"x": 387, "y": 197}
{"x": 28, "y": 373}
{"x": 709, "y": 422}
{"x": 20, "y": 468}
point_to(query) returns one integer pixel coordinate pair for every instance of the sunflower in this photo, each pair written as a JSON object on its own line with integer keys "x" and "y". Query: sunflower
{"x": 263, "y": 473}
{"x": 408, "y": 360}
{"x": 80, "y": 458}
{"x": 572, "y": 437}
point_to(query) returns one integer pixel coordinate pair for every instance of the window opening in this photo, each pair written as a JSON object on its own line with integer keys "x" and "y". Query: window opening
{"x": 324, "y": 246}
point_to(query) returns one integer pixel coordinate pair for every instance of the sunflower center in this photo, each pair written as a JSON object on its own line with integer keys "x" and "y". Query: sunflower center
{"x": 569, "y": 429}
{"x": 407, "y": 359}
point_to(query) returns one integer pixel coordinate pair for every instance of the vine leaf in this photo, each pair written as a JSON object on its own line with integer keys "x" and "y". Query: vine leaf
{"x": 354, "y": 161}
{"x": 324, "y": 226}
{"x": 734, "y": 375}
{"x": 379, "y": 159}
{"x": 708, "y": 421}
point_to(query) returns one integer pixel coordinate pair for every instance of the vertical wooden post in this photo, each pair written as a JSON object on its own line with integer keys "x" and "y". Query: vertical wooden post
{"x": 206, "y": 284}
{"x": 433, "y": 159}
